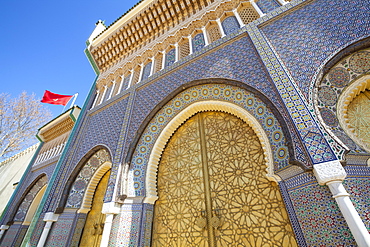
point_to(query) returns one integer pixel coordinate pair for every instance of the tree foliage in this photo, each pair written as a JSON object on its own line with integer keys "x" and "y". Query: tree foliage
{"x": 20, "y": 118}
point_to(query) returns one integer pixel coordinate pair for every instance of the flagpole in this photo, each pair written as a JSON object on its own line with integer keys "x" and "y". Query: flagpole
{"x": 74, "y": 99}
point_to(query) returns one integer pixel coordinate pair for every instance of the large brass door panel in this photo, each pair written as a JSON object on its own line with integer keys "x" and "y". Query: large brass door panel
{"x": 213, "y": 190}
{"x": 93, "y": 230}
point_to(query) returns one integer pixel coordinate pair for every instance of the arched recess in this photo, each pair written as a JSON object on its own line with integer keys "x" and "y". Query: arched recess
{"x": 237, "y": 94}
{"x": 151, "y": 175}
{"x": 23, "y": 206}
{"x": 84, "y": 177}
{"x": 207, "y": 182}
{"x": 35, "y": 203}
{"x": 341, "y": 80}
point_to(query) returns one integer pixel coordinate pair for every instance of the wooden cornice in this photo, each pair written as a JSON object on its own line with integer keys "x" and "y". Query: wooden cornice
{"x": 150, "y": 22}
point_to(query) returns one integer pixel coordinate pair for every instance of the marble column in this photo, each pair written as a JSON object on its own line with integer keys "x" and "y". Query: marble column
{"x": 332, "y": 174}
{"x": 109, "y": 209}
{"x": 50, "y": 217}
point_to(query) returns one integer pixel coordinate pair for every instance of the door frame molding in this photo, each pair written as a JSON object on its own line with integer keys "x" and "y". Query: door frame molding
{"x": 208, "y": 105}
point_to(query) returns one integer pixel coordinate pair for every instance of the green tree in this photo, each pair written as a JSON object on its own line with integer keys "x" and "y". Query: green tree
{"x": 20, "y": 119}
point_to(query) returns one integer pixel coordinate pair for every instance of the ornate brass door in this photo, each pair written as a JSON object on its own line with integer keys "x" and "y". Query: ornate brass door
{"x": 213, "y": 190}
{"x": 94, "y": 225}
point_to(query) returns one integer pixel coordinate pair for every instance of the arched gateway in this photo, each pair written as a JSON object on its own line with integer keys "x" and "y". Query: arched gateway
{"x": 213, "y": 190}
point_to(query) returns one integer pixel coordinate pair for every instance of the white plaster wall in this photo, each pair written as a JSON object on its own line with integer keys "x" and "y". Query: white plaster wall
{"x": 11, "y": 171}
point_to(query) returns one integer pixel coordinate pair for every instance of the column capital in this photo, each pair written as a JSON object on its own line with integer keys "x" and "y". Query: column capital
{"x": 50, "y": 216}
{"x": 4, "y": 227}
{"x": 329, "y": 171}
{"x": 111, "y": 208}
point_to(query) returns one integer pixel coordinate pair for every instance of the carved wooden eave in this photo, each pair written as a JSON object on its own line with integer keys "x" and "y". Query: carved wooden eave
{"x": 150, "y": 27}
{"x": 59, "y": 125}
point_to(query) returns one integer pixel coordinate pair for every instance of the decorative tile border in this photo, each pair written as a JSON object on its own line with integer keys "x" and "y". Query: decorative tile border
{"x": 227, "y": 93}
{"x": 316, "y": 145}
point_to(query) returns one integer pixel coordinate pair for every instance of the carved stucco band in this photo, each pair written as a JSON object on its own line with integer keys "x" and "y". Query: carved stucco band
{"x": 348, "y": 95}
{"x": 151, "y": 174}
{"x": 329, "y": 171}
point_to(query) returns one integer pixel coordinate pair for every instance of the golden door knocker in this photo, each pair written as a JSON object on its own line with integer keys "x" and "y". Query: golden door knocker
{"x": 201, "y": 221}
{"x": 101, "y": 227}
{"x": 95, "y": 229}
{"x": 216, "y": 221}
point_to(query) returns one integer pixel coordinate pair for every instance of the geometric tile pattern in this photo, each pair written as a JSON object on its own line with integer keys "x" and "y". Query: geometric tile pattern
{"x": 332, "y": 86}
{"x": 236, "y": 61}
{"x": 28, "y": 199}
{"x": 306, "y": 37}
{"x": 125, "y": 82}
{"x": 146, "y": 71}
{"x": 78, "y": 189}
{"x": 228, "y": 93}
{"x": 267, "y": 5}
{"x": 308, "y": 129}
{"x": 125, "y": 229}
{"x": 26, "y": 184}
{"x": 170, "y": 57}
{"x": 146, "y": 225}
{"x": 36, "y": 233}
{"x": 10, "y": 235}
{"x": 95, "y": 130}
{"x": 61, "y": 230}
{"x": 292, "y": 215}
{"x": 293, "y": 37}
{"x": 359, "y": 189}
{"x": 319, "y": 216}
{"x": 198, "y": 42}
{"x": 230, "y": 25}
{"x": 21, "y": 235}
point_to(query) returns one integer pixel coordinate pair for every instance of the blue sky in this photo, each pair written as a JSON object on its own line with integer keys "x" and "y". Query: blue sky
{"x": 42, "y": 45}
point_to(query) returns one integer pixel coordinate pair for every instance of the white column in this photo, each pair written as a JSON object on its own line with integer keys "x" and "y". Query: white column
{"x": 121, "y": 84}
{"x": 332, "y": 174}
{"x": 205, "y": 36}
{"x": 96, "y": 98}
{"x": 131, "y": 77}
{"x": 152, "y": 68}
{"x": 3, "y": 229}
{"x": 163, "y": 59}
{"x": 177, "y": 55}
{"x": 190, "y": 45}
{"x": 109, "y": 209}
{"x": 141, "y": 72}
{"x": 103, "y": 96}
{"x": 220, "y": 27}
{"x": 255, "y": 6}
{"x": 112, "y": 90}
{"x": 241, "y": 23}
{"x": 282, "y": 2}
{"x": 107, "y": 228}
{"x": 50, "y": 217}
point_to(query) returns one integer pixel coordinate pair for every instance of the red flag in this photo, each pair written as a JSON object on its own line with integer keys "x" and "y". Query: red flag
{"x": 55, "y": 99}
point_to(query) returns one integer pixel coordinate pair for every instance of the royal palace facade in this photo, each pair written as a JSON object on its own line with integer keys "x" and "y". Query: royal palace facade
{"x": 210, "y": 123}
